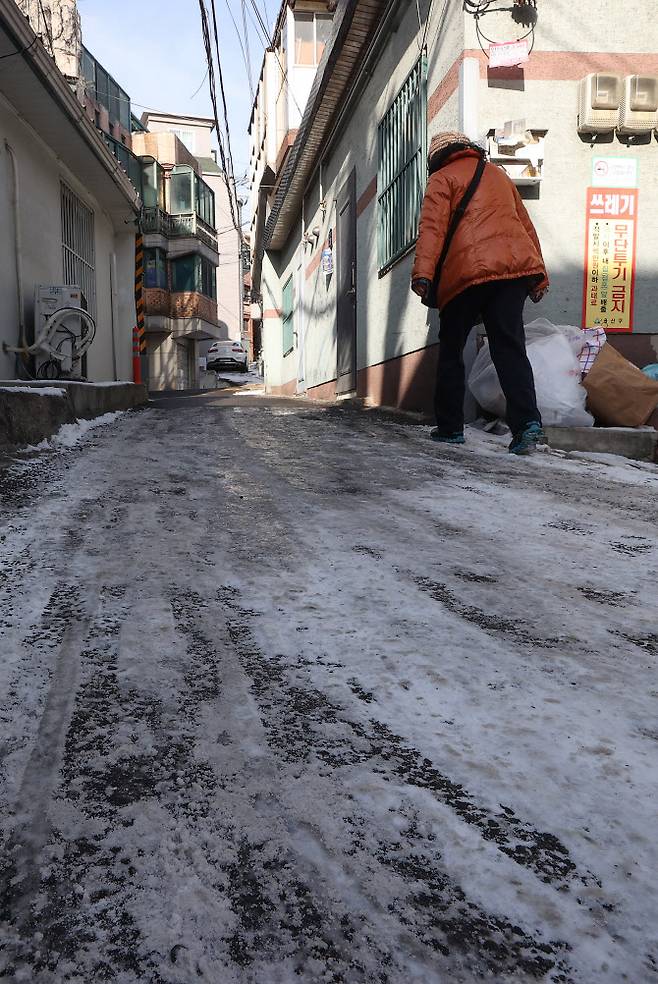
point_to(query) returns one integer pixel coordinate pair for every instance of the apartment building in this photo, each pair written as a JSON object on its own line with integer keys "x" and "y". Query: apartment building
{"x": 563, "y": 96}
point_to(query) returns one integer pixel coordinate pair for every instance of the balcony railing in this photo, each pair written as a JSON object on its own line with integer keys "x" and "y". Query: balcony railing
{"x": 190, "y": 224}
{"x": 154, "y": 220}
{"x": 130, "y": 164}
{"x": 178, "y": 226}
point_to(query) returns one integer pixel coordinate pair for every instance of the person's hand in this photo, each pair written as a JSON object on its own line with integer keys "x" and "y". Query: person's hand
{"x": 420, "y": 286}
{"x": 537, "y": 293}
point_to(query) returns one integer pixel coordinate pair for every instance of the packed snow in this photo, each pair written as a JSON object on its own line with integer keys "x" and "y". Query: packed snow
{"x": 35, "y": 390}
{"x": 302, "y": 696}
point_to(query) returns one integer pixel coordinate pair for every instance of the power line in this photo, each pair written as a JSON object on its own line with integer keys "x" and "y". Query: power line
{"x": 205, "y": 27}
{"x": 245, "y": 54}
{"x": 246, "y": 41}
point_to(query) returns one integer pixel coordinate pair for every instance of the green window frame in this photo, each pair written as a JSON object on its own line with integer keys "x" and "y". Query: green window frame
{"x": 402, "y": 168}
{"x": 288, "y": 317}
{"x": 194, "y": 274}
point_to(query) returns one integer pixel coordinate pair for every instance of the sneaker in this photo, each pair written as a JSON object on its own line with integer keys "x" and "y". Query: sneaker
{"x": 526, "y": 441}
{"x": 456, "y": 438}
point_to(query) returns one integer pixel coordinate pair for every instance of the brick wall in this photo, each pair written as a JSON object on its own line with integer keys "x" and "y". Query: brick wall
{"x": 157, "y": 301}
{"x": 186, "y": 305}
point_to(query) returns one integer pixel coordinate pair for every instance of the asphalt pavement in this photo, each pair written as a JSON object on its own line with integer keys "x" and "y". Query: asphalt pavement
{"x": 289, "y": 693}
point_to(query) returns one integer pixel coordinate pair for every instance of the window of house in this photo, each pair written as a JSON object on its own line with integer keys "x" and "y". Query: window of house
{"x": 287, "y": 314}
{"x": 186, "y": 137}
{"x": 152, "y": 184}
{"x": 155, "y": 268}
{"x": 194, "y": 274}
{"x": 102, "y": 87}
{"x": 78, "y": 247}
{"x": 180, "y": 190}
{"x": 305, "y": 39}
{"x": 323, "y": 26}
{"x": 401, "y": 170}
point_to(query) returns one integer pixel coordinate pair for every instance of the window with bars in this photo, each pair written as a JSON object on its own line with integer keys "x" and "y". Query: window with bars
{"x": 401, "y": 167}
{"x": 287, "y": 314}
{"x": 78, "y": 249}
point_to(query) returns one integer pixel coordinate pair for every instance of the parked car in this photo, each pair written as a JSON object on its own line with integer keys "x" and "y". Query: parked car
{"x": 227, "y": 354}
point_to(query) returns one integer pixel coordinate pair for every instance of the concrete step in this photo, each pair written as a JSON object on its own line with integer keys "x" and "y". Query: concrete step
{"x": 640, "y": 444}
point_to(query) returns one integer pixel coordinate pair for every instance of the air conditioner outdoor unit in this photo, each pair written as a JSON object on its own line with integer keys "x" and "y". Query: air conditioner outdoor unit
{"x": 599, "y": 102}
{"x": 61, "y": 337}
{"x": 639, "y": 106}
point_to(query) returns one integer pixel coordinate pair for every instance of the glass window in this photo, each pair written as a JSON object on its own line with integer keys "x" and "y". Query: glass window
{"x": 401, "y": 167}
{"x": 152, "y": 185}
{"x": 323, "y": 26}
{"x": 205, "y": 202}
{"x": 114, "y": 104}
{"x": 184, "y": 274}
{"x": 304, "y": 40}
{"x": 124, "y": 110}
{"x": 194, "y": 274}
{"x": 102, "y": 86}
{"x": 155, "y": 268}
{"x": 180, "y": 191}
{"x": 89, "y": 73}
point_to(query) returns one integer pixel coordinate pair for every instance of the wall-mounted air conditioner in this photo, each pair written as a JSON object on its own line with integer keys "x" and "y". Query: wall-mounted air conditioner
{"x": 599, "y": 101}
{"x": 639, "y": 105}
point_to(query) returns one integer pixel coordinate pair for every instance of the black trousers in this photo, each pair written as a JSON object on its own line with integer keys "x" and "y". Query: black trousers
{"x": 500, "y": 305}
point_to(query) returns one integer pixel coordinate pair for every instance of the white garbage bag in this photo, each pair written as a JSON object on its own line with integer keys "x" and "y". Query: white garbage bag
{"x": 554, "y": 352}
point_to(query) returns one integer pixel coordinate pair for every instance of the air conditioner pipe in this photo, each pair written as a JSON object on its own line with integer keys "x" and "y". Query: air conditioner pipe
{"x": 18, "y": 248}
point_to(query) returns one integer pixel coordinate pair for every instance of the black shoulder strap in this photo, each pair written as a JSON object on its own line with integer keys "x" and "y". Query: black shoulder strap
{"x": 431, "y": 298}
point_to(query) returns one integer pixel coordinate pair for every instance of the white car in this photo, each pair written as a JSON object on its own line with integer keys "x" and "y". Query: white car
{"x": 227, "y": 354}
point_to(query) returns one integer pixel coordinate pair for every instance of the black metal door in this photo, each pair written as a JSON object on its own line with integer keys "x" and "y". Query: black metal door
{"x": 346, "y": 287}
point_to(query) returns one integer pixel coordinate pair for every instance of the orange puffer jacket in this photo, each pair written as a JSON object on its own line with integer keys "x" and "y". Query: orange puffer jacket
{"x": 495, "y": 239}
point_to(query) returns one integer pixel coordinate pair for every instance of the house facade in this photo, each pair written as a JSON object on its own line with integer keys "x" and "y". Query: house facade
{"x": 554, "y": 101}
{"x": 300, "y": 37}
{"x": 193, "y": 267}
{"x": 68, "y": 209}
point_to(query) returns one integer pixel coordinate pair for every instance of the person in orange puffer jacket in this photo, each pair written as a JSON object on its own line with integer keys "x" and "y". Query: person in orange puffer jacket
{"x": 493, "y": 264}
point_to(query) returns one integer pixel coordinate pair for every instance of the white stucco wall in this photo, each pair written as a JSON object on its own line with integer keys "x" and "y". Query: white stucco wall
{"x": 40, "y": 176}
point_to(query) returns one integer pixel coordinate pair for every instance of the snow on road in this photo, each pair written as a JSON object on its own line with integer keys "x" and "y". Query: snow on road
{"x": 290, "y": 693}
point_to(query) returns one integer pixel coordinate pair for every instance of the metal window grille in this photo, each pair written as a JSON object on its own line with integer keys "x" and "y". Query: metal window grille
{"x": 78, "y": 249}
{"x": 288, "y": 319}
{"x": 401, "y": 171}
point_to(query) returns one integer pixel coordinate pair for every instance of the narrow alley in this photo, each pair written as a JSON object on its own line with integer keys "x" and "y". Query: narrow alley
{"x": 290, "y": 693}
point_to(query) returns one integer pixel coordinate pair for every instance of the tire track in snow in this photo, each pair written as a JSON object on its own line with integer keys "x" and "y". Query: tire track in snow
{"x": 301, "y": 722}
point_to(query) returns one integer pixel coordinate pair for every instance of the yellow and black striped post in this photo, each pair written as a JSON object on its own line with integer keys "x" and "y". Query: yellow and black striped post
{"x": 140, "y": 329}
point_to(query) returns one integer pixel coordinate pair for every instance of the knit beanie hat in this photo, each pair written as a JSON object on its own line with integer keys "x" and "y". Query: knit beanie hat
{"x": 443, "y": 140}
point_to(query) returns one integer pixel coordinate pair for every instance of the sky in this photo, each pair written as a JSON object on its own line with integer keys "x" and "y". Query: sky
{"x": 154, "y": 50}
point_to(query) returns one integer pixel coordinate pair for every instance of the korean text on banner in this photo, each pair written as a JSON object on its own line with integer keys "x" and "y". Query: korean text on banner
{"x": 610, "y": 258}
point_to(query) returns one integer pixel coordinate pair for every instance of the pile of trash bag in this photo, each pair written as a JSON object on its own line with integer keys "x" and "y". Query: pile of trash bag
{"x": 559, "y": 355}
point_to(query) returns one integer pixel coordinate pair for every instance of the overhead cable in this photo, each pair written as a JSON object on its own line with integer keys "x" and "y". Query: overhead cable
{"x": 227, "y": 164}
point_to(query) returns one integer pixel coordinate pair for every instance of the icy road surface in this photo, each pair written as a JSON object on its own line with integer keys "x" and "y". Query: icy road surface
{"x": 291, "y": 694}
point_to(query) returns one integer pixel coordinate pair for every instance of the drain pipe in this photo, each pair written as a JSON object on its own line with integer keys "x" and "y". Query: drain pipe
{"x": 18, "y": 247}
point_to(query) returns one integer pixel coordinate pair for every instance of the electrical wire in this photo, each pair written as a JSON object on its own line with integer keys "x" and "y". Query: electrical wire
{"x": 20, "y": 51}
{"x": 207, "y": 42}
{"x": 197, "y": 91}
{"x": 47, "y": 29}
{"x": 245, "y": 53}
{"x": 246, "y": 42}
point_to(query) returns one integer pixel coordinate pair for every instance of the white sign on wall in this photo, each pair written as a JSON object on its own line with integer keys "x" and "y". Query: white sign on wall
{"x": 614, "y": 172}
